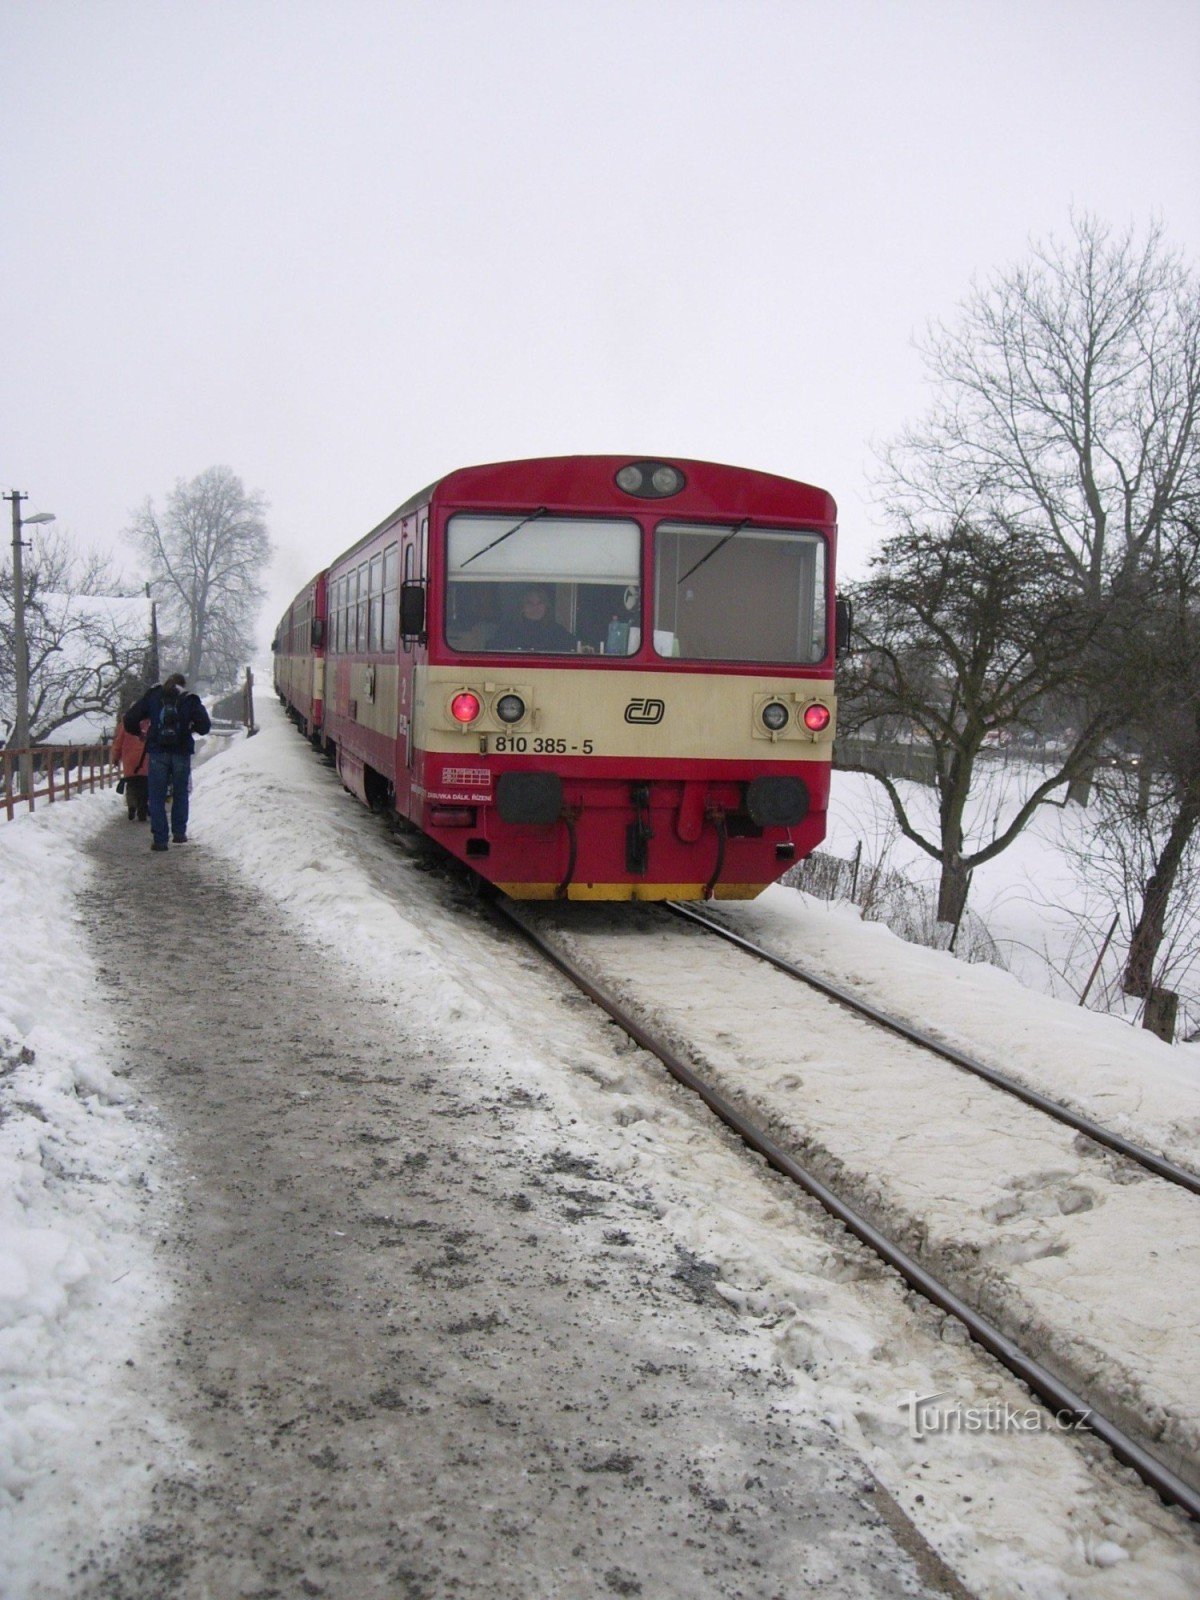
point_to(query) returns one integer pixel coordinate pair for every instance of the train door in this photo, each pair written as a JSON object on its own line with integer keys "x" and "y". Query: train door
{"x": 408, "y": 555}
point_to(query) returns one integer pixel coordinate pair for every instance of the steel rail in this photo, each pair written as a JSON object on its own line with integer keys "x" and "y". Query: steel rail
{"x": 1057, "y": 1395}
{"x": 1157, "y": 1164}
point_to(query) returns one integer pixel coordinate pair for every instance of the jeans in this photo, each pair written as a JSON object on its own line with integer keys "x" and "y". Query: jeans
{"x": 169, "y": 770}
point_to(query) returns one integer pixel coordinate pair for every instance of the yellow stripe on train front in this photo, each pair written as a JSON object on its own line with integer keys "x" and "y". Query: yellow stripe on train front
{"x": 630, "y": 891}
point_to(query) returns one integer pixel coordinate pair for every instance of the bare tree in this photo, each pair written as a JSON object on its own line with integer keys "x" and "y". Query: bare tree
{"x": 963, "y": 633}
{"x": 1138, "y": 836}
{"x": 1067, "y": 402}
{"x": 87, "y": 643}
{"x": 206, "y": 557}
{"x": 1067, "y": 399}
{"x": 1165, "y": 810}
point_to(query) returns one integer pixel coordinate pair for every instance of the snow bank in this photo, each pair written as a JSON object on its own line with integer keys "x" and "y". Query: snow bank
{"x": 77, "y": 1288}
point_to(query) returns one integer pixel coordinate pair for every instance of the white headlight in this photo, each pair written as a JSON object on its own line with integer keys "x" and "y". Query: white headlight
{"x": 650, "y": 480}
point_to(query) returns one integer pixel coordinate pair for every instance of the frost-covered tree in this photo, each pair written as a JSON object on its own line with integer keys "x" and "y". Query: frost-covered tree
{"x": 87, "y": 644}
{"x": 206, "y": 555}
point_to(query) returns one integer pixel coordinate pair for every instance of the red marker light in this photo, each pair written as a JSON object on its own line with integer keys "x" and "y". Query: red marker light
{"x": 816, "y": 718}
{"x": 464, "y": 707}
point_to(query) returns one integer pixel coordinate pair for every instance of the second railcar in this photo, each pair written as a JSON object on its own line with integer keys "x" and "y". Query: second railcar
{"x": 299, "y": 657}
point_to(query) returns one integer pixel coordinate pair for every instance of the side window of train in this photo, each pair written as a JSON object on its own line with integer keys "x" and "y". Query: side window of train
{"x": 376, "y": 592}
{"x": 363, "y": 606}
{"x": 389, "y": 597}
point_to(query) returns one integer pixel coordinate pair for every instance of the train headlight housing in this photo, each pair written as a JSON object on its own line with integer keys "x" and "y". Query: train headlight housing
{"x": 816, "y": 717}
{"x": 465, "y": 707}
{"x": 650, "y": 480}
{"x": 774, "y": 716}
{"x": 510, "y": 708}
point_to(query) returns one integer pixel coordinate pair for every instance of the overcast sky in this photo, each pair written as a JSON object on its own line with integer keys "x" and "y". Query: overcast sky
{"x": 345, "y": 246}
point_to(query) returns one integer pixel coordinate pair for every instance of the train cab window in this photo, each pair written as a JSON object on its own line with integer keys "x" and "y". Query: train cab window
{"x": 739, "y": 593}
{"x": 533, "y": 583}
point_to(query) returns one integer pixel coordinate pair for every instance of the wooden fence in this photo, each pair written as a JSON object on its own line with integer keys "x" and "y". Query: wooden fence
{"x": 59, "y": 771}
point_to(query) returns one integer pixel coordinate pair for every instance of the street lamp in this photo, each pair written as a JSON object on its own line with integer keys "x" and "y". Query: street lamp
{"x": 20, "y": 643}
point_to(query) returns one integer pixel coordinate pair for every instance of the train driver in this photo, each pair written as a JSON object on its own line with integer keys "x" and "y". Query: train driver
{"x": 534, "y": 627}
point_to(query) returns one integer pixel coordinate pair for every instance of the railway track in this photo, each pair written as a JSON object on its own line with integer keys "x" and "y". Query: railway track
{"x": 1148, "y": 1159}
{"x": 1060, "y": 1397}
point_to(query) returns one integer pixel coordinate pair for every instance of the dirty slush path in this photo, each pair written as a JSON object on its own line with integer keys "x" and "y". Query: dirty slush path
{"x": 412, "y": 1355}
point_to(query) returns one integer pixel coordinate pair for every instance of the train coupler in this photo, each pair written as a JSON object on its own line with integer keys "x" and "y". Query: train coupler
{"x": 639, "y": 833}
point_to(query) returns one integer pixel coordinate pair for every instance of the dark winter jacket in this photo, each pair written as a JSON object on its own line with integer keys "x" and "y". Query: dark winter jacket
{"x": 192, "y": 715}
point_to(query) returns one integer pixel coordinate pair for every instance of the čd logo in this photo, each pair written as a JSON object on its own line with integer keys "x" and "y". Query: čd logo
{"x": 645, "y": 711}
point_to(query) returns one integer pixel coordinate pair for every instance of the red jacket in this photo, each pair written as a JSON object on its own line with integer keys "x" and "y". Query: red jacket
{"x": 130, "y": 750}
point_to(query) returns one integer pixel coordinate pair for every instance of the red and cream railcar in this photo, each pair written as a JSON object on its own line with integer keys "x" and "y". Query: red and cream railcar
{"x": 594, "y": 677}
{"x": 299, "y": 650}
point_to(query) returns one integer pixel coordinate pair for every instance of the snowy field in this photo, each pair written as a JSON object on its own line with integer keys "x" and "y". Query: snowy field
{"x": 78, "y": 1288}
{"x": 1047, "y": 902}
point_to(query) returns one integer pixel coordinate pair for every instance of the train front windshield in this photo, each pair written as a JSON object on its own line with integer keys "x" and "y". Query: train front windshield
{"x": 738, "y": 593}
{"x": 545, "y": 584}
{"x": 572, "y": 586}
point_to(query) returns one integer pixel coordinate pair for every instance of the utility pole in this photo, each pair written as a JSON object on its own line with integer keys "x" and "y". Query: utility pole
{"x": 20, "y": 643}
{"x": 152, "y": 667}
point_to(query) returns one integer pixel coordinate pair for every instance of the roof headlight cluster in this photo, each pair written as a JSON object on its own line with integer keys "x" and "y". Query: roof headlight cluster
{"x": 650, "y": 480}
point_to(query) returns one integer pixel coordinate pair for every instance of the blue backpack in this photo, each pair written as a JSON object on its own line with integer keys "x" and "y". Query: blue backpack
{"x": 171, "y": 731}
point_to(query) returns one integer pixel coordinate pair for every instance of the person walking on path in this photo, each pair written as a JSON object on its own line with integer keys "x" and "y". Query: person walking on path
{"x": 174, "y": 716}
{"x": 130, "y": 750}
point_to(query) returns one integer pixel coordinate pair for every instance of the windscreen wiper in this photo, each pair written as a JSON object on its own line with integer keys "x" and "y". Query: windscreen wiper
{"x": 507, "y": 534}
{"x": 720, "y": 545}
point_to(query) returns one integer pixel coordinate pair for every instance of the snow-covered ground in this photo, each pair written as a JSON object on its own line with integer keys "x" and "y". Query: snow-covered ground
{"x": 1093, "y": 1268}
{"x": 1010, "y": 1513}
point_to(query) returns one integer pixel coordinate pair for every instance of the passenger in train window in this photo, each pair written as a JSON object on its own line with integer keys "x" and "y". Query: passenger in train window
{"x": 534, "y": 627}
